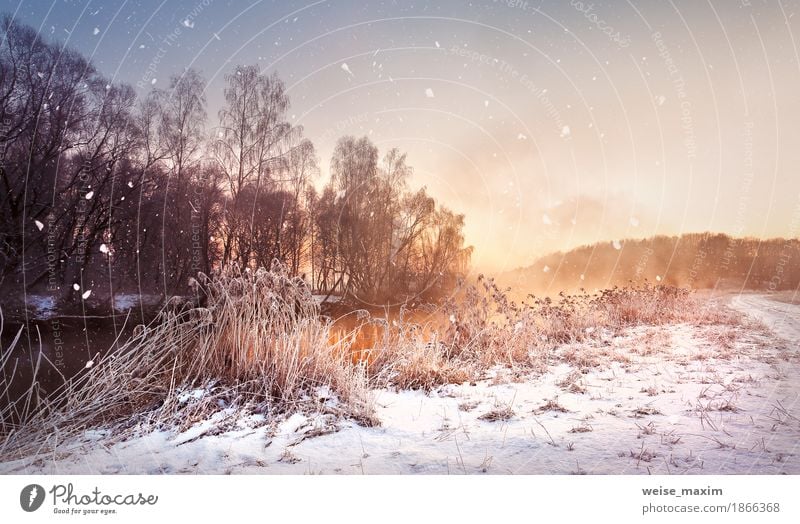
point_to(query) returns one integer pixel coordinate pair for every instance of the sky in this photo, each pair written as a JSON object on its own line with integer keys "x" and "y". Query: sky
{"x": 549, "y": 124}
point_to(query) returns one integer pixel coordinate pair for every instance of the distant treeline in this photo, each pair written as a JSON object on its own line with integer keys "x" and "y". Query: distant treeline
{"x": 698, "y": 260}
{"x": 100, "y": 190}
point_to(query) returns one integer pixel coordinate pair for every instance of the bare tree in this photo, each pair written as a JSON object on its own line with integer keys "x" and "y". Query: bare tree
{"x": 376, "y": 240}
{"x": 253, "y": 146}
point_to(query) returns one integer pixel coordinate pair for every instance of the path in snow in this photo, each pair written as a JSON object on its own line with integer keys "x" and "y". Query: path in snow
{"x": 781, "y": 317}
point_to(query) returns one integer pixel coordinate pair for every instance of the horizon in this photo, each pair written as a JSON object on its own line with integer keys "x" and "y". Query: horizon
{"x": 510, "y": 112}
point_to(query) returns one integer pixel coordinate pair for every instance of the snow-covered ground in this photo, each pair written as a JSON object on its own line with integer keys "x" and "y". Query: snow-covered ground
{"x": 675, "y": 399}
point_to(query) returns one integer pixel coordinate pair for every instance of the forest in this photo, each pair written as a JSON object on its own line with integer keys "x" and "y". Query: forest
{"x": 102, "y": 190}
{"x": 692, "y": 260}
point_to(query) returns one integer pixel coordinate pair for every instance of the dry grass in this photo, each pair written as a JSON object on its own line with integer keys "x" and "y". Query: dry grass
{"x": 259, "y": 339}
{"x": 500, "y": 413}
{"x": 260, "y": 342}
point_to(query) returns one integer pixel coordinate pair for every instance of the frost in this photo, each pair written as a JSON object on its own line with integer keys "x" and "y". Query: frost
{"x": 429, "y": 93}
{"x": 39, "y": 225}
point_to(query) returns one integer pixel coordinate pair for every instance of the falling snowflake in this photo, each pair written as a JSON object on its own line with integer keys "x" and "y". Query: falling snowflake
{"x": 130, "y": 184}
{"x": 521, "y": 137}
{"x": 346, "y": 69}
{"x": 583, "y": 277}
{"x": 76, "y": 287}
{"x": 546, "y": 220}
{"x": 104, "y": 248}
{"x": 89, "y": 195}
{"x": 153, "y": 81}
{"x": 660, "y": 99}
{"x": 89, "y": 364}
{"x": 546, "y": 269}
{"x": 188, "y": 23}
{"x": 86, "y": 294}
{"x": 452, "y": 319}
{"x": 616, "y": 245}
{"x": 485, "y": 103}
{"x": 96, "y": 31}
{"x": 429, "y": 93}
{"x": 658, "y": 278}
{"x": 39, "y": 225}
{"x": 565, "y": 132}
{"x": 437, "y": 44}
{"x": 634, "y": 222}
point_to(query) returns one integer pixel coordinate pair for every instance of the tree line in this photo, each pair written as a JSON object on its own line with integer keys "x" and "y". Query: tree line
{"x": 694, "y": 260}
{"x": 102, "y": 190}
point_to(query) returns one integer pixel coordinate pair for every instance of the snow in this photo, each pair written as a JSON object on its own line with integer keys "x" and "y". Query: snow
{"x": 44, "y": 306}
{"x": 429, "y": 93}
{"x": 658, "y": 400}
{"x": 333, "y": 299}
{"x": 126, "y": 301}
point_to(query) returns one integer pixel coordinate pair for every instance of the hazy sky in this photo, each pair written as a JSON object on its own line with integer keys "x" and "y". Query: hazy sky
{"x": 550, "y": 124}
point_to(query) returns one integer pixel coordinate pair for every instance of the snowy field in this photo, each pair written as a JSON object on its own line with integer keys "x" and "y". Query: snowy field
{"x": 669, "y": 400}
